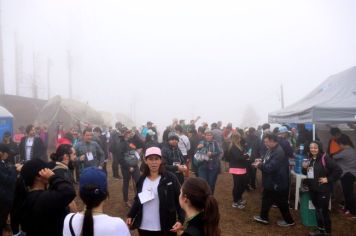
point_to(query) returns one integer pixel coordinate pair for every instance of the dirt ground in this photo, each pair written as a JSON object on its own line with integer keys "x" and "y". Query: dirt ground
{"x": 236, "y": 222}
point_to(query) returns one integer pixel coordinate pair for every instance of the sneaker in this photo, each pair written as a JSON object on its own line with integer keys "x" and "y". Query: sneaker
{"x": 349, "y": 215}
{"x": 319, "y": 233}
{"x": 260, "y": 220}
{"x": 282, "y": 223}
{"x": 241, "y": 202}
{"x": 316, "y": 233}
{"x": 235, "y": 204}
{"x": 241, "y": 206}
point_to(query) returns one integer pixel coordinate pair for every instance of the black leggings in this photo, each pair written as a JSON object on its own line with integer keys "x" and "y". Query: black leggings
{"x": 347, "y": 182}
{"x": 321, "y": 203}
{"x": 240, "y": 182}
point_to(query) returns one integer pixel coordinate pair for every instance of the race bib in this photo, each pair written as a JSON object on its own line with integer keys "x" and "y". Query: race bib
{"x": 90, "y": 156}
{"x": 146, "y": 196}
{"x": 310, "y": 173}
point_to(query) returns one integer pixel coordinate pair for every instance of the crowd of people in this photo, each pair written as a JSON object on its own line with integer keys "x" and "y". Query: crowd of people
{"x": 174, "y": 178}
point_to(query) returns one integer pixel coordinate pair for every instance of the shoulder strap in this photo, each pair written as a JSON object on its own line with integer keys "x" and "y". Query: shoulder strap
{"x": 70, "y": 225}
{"x": 323, "y": 161}
{"x": 185, "y": 145}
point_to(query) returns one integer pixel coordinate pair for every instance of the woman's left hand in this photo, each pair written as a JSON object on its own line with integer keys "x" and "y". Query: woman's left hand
{"x": 323, "y": 180}
{"x": 177, "y": 226}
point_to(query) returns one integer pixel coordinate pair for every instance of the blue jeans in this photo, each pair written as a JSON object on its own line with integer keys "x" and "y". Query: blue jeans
{"x": 209, "y": 174}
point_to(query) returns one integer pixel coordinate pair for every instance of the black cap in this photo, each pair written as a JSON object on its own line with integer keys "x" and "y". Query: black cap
{"x": 4, "y": 148}
{"x": 31, "y": 168}
{"x": 173, "y": 135}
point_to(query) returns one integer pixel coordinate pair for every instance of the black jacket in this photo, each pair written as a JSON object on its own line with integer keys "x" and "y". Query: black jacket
{"x": 14, "y": 150}
{"x": 170, "y": 155}
{"x": 43, "y": 211}
{"x": 254, "y": 142}
{"x": 7, "y": 184}
{"x": 63, "y": 171}
{"x": 275, "y": 170}
{"x": 331, "y": 170}
{"x": 237, "y": 158}
{"x": 195, "y": 226}
{"x": 37, "y": 151}
{"x": 169, "y": 209}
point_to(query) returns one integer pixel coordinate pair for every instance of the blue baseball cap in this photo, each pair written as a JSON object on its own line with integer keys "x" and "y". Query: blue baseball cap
{"x": 283, "y": 129}
{"x": 93, "y": 181}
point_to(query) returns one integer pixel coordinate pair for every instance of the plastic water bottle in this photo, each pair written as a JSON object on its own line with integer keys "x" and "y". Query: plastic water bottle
{"x": 299, "y": 160}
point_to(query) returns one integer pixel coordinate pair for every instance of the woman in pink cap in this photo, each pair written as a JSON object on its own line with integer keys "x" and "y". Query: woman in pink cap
{"x": 156, "y": 204}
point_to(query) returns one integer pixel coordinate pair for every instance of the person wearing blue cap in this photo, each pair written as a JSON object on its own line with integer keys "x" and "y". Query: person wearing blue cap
{"x": 93, "y": 190}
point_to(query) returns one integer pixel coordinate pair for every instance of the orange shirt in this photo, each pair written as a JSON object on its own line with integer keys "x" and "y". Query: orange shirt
{"x": 334, "y": 147}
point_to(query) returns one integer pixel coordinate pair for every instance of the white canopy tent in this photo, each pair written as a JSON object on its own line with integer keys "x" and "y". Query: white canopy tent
{"x": 332, "y": 103}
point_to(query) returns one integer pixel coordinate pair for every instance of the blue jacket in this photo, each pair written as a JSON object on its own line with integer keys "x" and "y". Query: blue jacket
{"x": 275, "y": 170}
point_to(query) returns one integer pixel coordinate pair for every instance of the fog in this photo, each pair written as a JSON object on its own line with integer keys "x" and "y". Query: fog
{"x": 158, "y": 60}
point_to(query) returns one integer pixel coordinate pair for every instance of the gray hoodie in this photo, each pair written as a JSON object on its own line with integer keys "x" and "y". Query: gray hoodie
{"x": 346, "y": 159}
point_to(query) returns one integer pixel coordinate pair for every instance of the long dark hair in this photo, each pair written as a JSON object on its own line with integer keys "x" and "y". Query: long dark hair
{"x": 320, "y": 147}
{"x": 146, "y": 170}
{"x": 199, "y": 194}
{"x": 91, "y": 198}
{"x": 62, "y": 150}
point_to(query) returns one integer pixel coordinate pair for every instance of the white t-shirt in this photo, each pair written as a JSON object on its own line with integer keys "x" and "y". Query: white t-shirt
{"x": 150, "y": 209}
{"x": 103, "y": 225}
{"x": 28, "y": 148}
{"x": 184, "y": 144}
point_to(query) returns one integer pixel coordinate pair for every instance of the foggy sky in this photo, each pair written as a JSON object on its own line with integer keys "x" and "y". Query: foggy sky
{"x": 156, "y": 60}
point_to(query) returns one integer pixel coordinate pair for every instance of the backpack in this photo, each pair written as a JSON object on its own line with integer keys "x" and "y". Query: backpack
{"x": 131, "y": 158}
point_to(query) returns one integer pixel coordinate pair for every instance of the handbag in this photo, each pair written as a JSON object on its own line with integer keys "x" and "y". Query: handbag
{"x": 131, "y": 158}
{"x": 201, "y": 155}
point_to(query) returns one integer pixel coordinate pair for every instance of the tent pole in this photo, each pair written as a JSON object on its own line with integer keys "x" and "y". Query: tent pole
{"x": 314, "y": 131}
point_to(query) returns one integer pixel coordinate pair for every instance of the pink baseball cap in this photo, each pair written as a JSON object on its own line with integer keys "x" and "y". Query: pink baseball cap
{"x": 153, "y": 151}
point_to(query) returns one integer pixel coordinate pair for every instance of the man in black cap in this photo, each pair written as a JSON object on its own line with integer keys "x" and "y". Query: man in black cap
{"x": 7, "y": 185}
{"x": 13, "y": 148}
{"x": 173, "y": 157}
{"x": 44, "y": 209}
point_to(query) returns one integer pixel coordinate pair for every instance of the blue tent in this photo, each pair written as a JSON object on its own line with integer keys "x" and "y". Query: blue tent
{"x": 6, "y": 121}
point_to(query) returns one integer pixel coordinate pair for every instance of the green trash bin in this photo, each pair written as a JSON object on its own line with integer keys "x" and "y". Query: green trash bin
{"x": 307, "y": 210}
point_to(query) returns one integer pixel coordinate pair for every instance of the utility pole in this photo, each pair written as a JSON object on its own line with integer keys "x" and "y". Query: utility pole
{"x": 49, "y": 64}
{"x": 34, "y": 81}
{"x": 2, "y": 77}
{"x": 70, "y": 75}
{"x": 18, "y": 65}
{"x": 282, "y": 97}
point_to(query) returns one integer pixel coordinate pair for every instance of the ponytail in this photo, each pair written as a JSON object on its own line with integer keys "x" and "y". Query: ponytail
{"x": 199, "y": 194}
{"x": 92, "y": 198}
{"x": 53, "y": 157}
{"x": 211, "y": 217}
{"x": 88, "y": 222}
